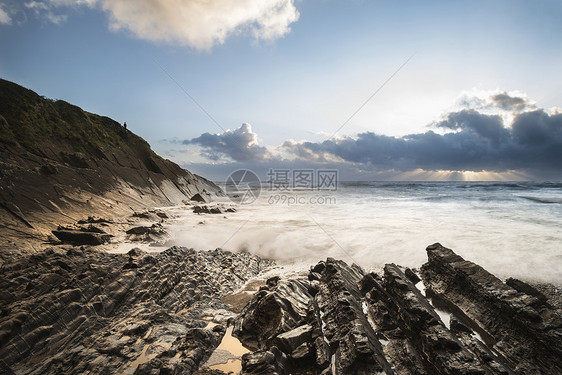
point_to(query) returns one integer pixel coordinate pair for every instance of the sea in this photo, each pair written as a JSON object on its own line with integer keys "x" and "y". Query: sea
{"x": 512, "y": 229}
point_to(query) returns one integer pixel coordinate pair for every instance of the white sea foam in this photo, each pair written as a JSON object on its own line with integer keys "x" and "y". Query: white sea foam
{"x": 376, "y": 223}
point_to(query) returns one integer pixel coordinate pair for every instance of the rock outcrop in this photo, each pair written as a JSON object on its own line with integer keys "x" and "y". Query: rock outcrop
{"x": 72, "y": 310}
{"x": 514, "y": 318}
{"x": 345, "y": 321}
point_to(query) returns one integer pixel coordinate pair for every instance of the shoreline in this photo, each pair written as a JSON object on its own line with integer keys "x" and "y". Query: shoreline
{"x": 174, "y": 309}
{"x": 191, "y": 310}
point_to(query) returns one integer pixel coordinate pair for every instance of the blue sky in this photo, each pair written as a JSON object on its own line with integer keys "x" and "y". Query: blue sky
{"x": 296, "y": 71}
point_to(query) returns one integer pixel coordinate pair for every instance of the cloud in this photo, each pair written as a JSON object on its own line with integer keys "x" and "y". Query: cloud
{"x": 201, "y": 24}
{"x": 479, "y": 142}
{"x": 495, "y": 101}
{"x": 43, "y": 9}
{"x": 240, "y": 144}
{"x": 510, "y": 102}
{"x": 488, "y": 127}
{"x": 465, "y": 142}
{"x": 5, "y": 18}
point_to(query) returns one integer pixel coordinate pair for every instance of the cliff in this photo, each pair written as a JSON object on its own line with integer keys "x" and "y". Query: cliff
{"x": 59, "y": 164}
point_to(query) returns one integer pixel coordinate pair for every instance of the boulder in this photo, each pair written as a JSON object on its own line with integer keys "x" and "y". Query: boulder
{"x": 78, "y": 238}
{"x": 198, "y": 198}
{"x": 272, "y": 312}
{"x": 272, "y": 362}
{"x": 146, "y": 234}
{"x": 289, "y": 341}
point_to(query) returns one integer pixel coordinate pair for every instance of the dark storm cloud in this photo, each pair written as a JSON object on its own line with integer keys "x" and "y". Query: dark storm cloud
{"x": 477, "y": 142}
{"x": 509, "y": 102}
{"x": 240, "y": 144}
{"x": 473, "y": 141}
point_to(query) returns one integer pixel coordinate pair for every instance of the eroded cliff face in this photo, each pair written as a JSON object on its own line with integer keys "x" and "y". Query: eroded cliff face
{"x": 59, "y": 163}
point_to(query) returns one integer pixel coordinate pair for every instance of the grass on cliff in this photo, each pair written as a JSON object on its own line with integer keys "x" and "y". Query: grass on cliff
{"x": 29, "y": 120}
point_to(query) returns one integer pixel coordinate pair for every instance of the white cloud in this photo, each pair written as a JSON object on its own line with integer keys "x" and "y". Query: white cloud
{"x": 44, "y": 9}
{"x": 57, "y": 19}
{"x": 201, "y": 24}
{"x": 5, "y": 18}
{"x": 58, "y": 3}
{"x": 37, "y": 5}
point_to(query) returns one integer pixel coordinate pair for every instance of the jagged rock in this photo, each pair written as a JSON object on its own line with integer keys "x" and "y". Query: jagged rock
{"x": 218, "y": 209}
{"x": 85, "y": 311}
{"x": 415, "y": 315}
{"x": 270, "y": 313}
{"x": 146, "y": 234}
{"x": 340, "y": 319}
{"x": 359, "y": 323}
{"x": 272, "y": 362}
{"x": 289, "y": 341}
{"x": 523, "y": 287}
{"x": 81, "y": 238}
{"x": 95, "y": 220}
{"x": 412, "y": 276}
{"x": 523, "y": 329}
{"x": 198, "y": 198}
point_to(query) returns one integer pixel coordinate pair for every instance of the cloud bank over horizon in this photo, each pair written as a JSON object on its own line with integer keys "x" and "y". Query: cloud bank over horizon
{"x": 501, "y": 133}
{"x": 198, "y": 24}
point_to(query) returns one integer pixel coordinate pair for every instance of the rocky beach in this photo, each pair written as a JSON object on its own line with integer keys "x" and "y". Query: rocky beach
{"x": 75, "y": 186}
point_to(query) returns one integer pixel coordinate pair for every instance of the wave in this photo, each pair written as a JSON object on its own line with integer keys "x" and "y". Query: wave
{"x": 508, "y": 185}
{"x": 392, "y": 184}
{"x": 542, "y": 199}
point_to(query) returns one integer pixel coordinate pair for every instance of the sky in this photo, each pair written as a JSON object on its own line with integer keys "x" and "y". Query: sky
{"x": 400, "y": 90}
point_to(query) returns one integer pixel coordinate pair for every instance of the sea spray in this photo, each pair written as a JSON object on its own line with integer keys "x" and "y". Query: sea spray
{"x": 374, "y": 223}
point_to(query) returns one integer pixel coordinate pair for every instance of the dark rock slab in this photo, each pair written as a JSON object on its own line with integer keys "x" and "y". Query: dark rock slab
{"x": 343, "y": 324}
{"x": 95, "y": 220}
{"x": 199, "y": 198}
{"x": 520, "y": 326}
{"x": 440, "y": 349}
{"x": 272, "y": 312}
{"x": 523, "y": 287}
{"x": 78, "y": 238}
{"x": 291, "y": 340}
{"x": 273, "y": 362}
{"x": 216, "y": 209}
{"x": 145, "y": 233}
